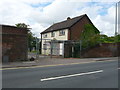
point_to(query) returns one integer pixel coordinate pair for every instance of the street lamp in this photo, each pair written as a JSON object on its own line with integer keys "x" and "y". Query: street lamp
{"x": 116, "y": 20}
{"x": 117, "y": 17}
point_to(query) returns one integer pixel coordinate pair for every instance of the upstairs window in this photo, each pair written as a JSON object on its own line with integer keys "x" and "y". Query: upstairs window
{"x": 62, "y": 32}
{"x": 45, "y": 36}
{"x": 52, "y": 34}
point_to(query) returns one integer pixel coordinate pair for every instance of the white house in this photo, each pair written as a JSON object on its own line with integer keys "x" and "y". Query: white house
{"x": 67, "y": 30}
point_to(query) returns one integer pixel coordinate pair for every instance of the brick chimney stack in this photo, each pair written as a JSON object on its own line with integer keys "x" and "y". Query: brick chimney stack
{"x": 68, "y": 18}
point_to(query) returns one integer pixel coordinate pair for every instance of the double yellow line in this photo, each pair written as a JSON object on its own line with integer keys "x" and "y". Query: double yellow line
{"x": 43, "y": 66}
{"x": 48, "y": 65}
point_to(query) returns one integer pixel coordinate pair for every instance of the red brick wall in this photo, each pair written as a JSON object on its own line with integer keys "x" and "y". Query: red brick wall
{"x": 13, "y": 30}
{"x": 14, "y": 43}
{"x": 118, "y": 49}
{"x": 103, "y": 50}
{"x": 76, "y": 30}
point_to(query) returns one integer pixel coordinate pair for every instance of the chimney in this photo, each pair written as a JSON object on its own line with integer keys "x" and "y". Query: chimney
{"x": 68, "y": 18}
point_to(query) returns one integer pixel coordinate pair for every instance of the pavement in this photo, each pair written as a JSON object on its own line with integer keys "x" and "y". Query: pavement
{"x": 100, "y": 74}
{"x": 54, "y": 61}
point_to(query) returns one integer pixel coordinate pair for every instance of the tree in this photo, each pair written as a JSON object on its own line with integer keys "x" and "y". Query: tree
{"x": 103, "y": 38}
{"x": 90, "y": 36}
{"x": 31, "y": 38}
{"x": 117, "y": 38}
{"x": 22, "y": 25}
{"x": 31, "y": 41}
{"x": 111, "y": 39}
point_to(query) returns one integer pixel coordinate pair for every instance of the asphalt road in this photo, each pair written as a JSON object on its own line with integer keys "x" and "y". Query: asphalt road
{"x": 88, "y": 75}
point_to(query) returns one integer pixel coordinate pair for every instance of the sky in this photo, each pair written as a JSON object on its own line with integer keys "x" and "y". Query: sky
{"x": 40, "y": 14}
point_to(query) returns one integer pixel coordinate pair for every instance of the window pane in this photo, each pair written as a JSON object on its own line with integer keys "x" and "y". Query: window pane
{"x": 52, "y": 34}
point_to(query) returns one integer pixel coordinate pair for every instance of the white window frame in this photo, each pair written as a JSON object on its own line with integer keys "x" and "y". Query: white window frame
{"x": 61, "y": 32}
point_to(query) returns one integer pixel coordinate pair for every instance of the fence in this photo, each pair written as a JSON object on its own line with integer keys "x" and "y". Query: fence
{"x": 48, "y": 48}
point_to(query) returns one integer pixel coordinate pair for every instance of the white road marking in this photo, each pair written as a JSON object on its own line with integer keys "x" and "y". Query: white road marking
{"x": 118, "y": 68}
{"x": 73, "y": 75}
{"x": 29, "y": 62}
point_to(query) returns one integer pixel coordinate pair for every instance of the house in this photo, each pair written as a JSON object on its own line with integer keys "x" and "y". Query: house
{"x": 14, "y": 43}
{"x": 61, "y": 32}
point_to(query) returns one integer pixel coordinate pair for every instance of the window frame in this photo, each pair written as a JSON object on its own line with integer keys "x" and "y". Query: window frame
{"x": 45, "y": 35}
{"x": 61, "y": 32}
{"x": 52, "y": 34}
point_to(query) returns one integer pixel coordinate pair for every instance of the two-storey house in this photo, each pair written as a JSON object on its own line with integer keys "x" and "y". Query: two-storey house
{"x": 67, "y": 30}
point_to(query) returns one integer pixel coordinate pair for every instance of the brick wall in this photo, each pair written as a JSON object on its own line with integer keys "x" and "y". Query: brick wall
{"x": 102, "y": 50}
{"x": 76, "y": 30}
{"x": 14, "y": 43}
{"x": 118, "y": 49}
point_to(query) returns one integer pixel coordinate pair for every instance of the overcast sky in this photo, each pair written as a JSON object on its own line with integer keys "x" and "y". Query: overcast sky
{"x": 40, "y": 14}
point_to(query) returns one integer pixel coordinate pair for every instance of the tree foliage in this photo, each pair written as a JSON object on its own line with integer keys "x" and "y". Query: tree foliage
{"x": 31, "y": 37}
{"x": 90, "y": 36}
{"x": 22, "y": 25}
{"x": 117, "y": 38}
{"x": 111, "y": 39}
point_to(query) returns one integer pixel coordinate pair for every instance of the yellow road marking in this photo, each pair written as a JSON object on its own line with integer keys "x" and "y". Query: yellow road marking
{"x": 48, "y": 65}
{"x": 44, "y": 66}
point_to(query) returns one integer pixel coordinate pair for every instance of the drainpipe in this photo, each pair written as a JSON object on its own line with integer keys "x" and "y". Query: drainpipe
{"x": 70, "y": 33}
{"x": 41, "y": 45}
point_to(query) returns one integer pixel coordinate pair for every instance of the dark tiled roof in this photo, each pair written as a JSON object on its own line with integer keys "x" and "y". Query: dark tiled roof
{"x": 64, "y": 24}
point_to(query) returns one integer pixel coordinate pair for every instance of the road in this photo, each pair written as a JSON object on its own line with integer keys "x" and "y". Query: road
{"x": 101, "y": 74}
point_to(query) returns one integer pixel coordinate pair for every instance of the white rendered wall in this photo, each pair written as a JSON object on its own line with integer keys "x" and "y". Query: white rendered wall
{"x": 56, "y": 37}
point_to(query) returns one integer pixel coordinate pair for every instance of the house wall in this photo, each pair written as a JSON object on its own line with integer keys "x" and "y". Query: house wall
{"x": 76, "y": 30}
{"x": 14, "y": 44}
{"x": 56, "y": 37}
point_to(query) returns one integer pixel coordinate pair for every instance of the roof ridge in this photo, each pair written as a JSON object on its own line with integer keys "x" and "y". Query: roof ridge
{"x": 70, "y": 19}
{"x": 63, "y": 24}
